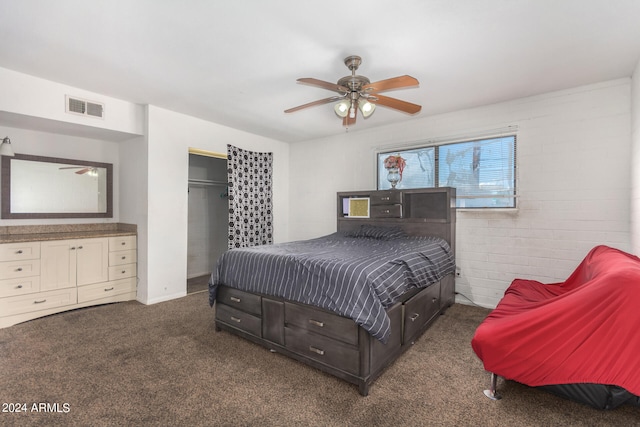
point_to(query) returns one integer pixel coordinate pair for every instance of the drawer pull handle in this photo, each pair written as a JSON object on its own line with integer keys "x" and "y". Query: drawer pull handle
{"x": 434, "y": 300}
{"x": 236, "y": 319}
{"x": 19, "y": 287}
{"x": 73, "y": 248}
{"x": 386, "y": 199}
{"x": 234, "y": 299}
{"x": 123, "y": 243}
{"x": 124, "y": 257}
{"x": 317, "y": 323}
{"x": 316, "y": 350}
{"x": 19, "y": 269}
{"x": 108, "y": 289}
{"x": 124, "y": 271}
{"x": 19, "y": 251}
{"x": 414, "y": 316}
{"x": 40, "y": 302}
{"x": 79, "y": 247}
{"x": 386, "y": 211}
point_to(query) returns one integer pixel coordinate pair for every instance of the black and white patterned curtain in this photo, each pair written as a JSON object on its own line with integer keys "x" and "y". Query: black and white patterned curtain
{"x": 250, "y": 197}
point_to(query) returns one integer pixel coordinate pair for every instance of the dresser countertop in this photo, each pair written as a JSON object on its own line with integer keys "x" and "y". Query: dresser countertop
{"x": 20, "y": 234}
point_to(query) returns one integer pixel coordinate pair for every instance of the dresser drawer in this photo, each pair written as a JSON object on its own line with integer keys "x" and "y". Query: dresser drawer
{"x": 19, "y": 286}
{"x": 239, "y": 319}
{"x": 244, "y": 301}
{"x": 420, "y": 309}
{"x": 122, "y": 243}
{"x": 19, "y": 251}
{"x": 386, "y": 197}
{"x": 122, "y": 257}
{"x": 122, "y": 271}
{"x": 106, "y": 289}
{"x": 321, "y": 322}
{"x": 38, "y": 301}
{"x": 331, "y": 352}
{"x": 386, "y": 211}
{"x": 22, "y": 268}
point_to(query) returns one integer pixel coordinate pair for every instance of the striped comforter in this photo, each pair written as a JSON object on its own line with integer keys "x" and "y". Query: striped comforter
{"x": 353, "y": 277}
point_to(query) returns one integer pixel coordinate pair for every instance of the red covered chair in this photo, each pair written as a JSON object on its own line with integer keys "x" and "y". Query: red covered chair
{"x": 579, "y": 338}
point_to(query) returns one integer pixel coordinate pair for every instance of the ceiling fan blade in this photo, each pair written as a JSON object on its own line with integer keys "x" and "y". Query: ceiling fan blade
{"x": 389, "y": 84}
{"x": 324, "y": 85}
{"x": 83, "y": 171}
{"x": 314, "y": 103}
{"x": 396, "y": 104}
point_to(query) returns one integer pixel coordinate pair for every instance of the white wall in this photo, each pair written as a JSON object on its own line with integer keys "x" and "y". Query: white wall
{"x": 169, "y": 136}
{"x": 573, "y": 181}
{"x": 32, "y": 114}
{"x": 635, "y": 159}
{"x": 50, "y": 144}
{"x": 149, "y": 149}
{"x": 574, "y": 170}
{"x": 44, "y": 100}
{"x": 134, "y": 195}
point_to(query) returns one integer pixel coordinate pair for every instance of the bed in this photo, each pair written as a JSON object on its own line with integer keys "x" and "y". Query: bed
{"x": 351, "y": 302}
{"x": 578, "y": 339}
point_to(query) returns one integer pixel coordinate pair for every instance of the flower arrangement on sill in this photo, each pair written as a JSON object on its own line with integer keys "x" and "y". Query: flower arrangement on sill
{"x": 395, "y": 161}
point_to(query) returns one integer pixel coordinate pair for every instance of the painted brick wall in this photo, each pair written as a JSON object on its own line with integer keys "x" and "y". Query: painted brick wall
{"x": 574, "y": 187}
{"x": 574, "y": 179}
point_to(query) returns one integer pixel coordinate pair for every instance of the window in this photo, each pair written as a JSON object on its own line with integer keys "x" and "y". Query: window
{"x": 481, "y": 170}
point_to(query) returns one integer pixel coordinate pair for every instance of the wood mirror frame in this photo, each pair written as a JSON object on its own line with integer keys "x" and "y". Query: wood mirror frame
{"x": 7, "y": 213}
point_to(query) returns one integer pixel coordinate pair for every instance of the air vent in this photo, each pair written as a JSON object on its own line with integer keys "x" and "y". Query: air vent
{"x": 84, "y": 107}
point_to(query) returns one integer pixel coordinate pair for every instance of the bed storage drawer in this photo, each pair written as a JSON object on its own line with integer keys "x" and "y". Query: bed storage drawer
{"x": 244, "y": 301}
{"x": 321, "y": 322}
{"x": 419, "y": 310}
{"x": 239, "y": 319}
{"x": 331, "y": 352}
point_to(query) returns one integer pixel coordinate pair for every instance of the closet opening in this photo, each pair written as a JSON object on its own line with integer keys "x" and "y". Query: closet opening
{"x": 208, "y": 216}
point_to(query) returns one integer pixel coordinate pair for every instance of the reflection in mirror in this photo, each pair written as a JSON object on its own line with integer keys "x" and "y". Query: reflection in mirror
{"x": 46, "y": 187}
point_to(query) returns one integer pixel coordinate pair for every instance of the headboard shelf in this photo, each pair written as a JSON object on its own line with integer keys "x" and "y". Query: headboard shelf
{"x": 420, "y": 212}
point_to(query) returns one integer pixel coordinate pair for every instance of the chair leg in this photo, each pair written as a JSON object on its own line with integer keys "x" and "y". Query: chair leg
{"x": 491, "y": 392}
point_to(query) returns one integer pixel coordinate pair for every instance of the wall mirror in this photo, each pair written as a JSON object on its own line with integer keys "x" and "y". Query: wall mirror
{"x": 49, "y": 187}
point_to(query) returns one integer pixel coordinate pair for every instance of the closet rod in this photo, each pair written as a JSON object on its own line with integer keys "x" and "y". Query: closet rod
{"x": 207, "y": 182}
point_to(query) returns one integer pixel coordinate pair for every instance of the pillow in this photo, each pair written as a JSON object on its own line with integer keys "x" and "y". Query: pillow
{"x": 378, "y": 232}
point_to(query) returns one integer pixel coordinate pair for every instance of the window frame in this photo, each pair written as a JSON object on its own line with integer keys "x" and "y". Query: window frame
{"x": 398, "y": 149}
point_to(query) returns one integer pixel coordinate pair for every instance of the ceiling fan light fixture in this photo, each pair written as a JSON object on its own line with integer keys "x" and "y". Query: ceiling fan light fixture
{"x": 366, "y": 108}
{"x": 342, "y": 108}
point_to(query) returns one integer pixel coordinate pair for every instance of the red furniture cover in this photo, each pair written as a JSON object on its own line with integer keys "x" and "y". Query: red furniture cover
{"x": 585, "y": 330}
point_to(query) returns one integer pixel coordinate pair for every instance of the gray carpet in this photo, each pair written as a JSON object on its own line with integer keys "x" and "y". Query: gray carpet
{"x": 130, "y": 364}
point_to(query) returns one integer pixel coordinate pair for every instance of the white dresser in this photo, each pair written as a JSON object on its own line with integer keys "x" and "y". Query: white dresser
{"x": 38, "y": 278}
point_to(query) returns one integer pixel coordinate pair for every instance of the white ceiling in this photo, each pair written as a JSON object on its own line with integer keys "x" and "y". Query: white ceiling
{"x": 236, "y": 62}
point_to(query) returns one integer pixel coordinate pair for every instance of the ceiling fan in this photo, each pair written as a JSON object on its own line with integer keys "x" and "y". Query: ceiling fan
{"x": 83, "y": 169}
{"x": 358, "y": 93}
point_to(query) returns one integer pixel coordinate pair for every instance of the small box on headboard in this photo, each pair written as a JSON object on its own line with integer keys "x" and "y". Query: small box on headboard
{"x": 356, "y": 207}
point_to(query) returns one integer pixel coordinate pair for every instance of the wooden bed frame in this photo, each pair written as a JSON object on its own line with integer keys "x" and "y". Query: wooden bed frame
{"x": 336, "y": 344}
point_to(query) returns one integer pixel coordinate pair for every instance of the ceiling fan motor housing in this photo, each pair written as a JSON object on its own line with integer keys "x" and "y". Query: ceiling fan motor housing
{"x": 354, "y": 83}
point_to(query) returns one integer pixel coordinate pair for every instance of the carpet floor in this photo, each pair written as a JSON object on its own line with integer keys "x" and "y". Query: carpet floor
{"x": 129, "y": 364}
